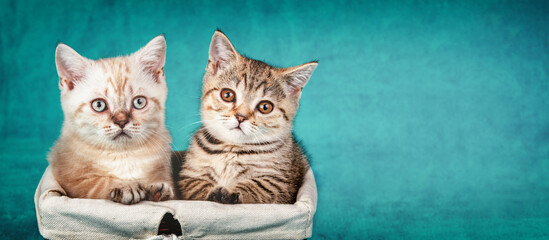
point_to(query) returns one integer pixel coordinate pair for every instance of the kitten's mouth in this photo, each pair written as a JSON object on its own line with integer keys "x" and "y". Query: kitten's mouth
{"x": 237, "y": 128}
{"x": 122, "y": 134}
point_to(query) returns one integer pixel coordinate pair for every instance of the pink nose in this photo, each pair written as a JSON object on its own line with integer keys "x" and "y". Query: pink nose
{"x": 120, "y": 119}
{"x": 240, "y": 118}
{"x": 121, "y": 123}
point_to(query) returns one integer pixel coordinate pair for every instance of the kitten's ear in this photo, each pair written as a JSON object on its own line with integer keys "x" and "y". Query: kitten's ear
{"x": 71, "y": 67}
{"x": 297, "y": 77}
{"x": 152, "y": 56}
{"x": 222, "y": 53}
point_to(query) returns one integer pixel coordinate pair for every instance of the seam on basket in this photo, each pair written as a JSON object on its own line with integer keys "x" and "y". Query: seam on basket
{"x": 64, "y": 232}
{"x": 70, "y": 232}
{"x": 278, "y": 233}
{"x": 40, "y": 205}
{"x": 308, "y": 218}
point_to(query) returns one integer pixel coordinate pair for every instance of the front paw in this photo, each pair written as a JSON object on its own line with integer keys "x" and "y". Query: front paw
{"x": 160, "y": 192}
{"x": 222, "y": 195}
{"x": 128, "y": 194}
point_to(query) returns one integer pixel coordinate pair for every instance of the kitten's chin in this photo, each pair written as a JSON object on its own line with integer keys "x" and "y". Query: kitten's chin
{"x": 121, "y": 137}
{"x": 236, "y": 135}
{"x": 120, "y": 141}
{"x": 224, "y": 134}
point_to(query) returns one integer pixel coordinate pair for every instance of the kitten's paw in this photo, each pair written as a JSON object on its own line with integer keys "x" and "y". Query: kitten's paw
{"x": 160, "y": 192}
{"x": 128, "y": 194}
{"x": 222, "y": 195}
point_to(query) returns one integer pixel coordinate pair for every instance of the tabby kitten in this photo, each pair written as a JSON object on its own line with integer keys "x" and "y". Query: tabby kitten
{"x": 245, "y": 151}
{"x": 114, "y": 143}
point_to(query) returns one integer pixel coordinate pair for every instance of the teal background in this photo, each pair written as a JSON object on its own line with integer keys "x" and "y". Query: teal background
{"x": 424, "y": 119}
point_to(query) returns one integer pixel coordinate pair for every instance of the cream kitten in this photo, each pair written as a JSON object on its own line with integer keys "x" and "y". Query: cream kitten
{"x": 245, "y": 152}
{"x": 114, "y": 143}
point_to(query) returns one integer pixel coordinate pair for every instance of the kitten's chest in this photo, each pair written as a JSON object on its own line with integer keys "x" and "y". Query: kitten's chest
{"x": 227, "y": 164}
{"x": 230, "y": 168}
{"x": 125, "y": 166}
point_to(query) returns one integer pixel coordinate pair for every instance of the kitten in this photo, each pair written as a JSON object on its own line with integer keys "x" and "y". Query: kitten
{"x": 245, "y": 152}
{"x": 114, "y": 143}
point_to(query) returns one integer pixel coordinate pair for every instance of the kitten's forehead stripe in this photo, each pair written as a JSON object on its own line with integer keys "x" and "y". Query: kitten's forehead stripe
{"x": 261, "y": 84}
{"x": 256, "y": 75}
{"x": 120, "y": 70}
{"x": 276, "y": 90}
{"x": 109, "y": 80}
{"x": 125, "y": 80}
{"x": 237, "y": 80}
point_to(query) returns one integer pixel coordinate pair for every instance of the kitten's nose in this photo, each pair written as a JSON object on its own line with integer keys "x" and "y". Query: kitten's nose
{"x": 240, "y": 118}
{"x": 120, "y": 119}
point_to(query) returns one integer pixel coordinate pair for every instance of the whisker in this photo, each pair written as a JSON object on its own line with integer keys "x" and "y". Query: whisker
{"x": 189, "y": 125}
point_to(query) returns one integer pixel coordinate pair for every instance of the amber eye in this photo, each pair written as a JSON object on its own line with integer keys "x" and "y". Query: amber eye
{"x": 265, "y": 107}
{"x": 99, "y": 105}
{"x": 227, "y": 95}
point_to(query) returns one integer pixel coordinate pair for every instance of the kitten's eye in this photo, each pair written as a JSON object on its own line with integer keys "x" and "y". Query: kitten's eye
{"x": 265, "y": 107}
{"x": 227, "y": 95}
{"x": 139, "y": 102}
{"x": 99, "y": 105}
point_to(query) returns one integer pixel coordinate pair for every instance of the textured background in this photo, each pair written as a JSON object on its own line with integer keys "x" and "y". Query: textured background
{"x": 424, "y": 119}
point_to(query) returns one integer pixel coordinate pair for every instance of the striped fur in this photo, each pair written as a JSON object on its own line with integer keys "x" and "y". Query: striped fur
{"x": 242, "y": 155}
{"x": 121, "y": 153}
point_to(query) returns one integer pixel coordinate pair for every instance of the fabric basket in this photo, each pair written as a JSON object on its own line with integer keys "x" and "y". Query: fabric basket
{"x": 61, "y": 217}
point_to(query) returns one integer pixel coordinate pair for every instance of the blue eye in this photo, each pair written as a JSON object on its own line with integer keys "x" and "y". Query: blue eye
{"x": 139, "y": 102}
{"x": 99, "y": 105}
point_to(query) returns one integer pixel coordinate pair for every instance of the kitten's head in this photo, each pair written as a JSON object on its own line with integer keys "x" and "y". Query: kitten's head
{"x": 248, "y": 101}
{"x": 114, "y": 102}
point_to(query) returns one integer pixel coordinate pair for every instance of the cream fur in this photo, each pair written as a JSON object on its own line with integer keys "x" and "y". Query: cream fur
{"x": 91, "y": 158}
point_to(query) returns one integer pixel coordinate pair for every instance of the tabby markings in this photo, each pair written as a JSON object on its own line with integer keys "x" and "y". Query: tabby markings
{"x": 210, "y": 139}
